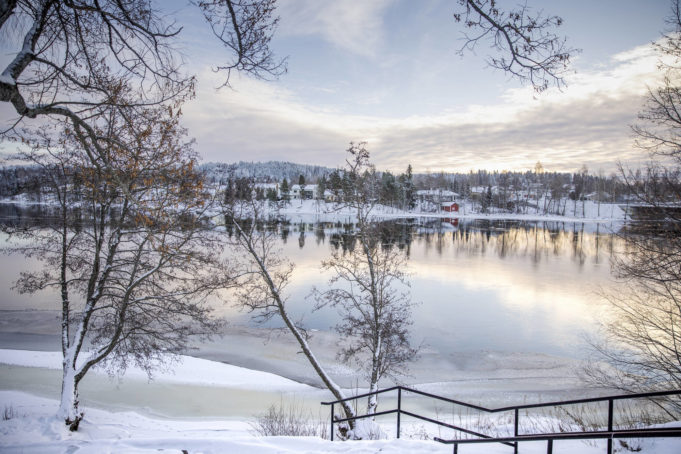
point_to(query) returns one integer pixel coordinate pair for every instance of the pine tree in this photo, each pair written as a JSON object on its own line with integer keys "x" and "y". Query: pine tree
{"x": 321, "y": 187}
{"x": 285, "y": 190}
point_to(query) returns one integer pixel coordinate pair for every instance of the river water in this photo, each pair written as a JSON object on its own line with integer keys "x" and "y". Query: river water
{"x": 502, "y": 308}
{"x": 513, "y": 286}
{"x": 480, "y": 285}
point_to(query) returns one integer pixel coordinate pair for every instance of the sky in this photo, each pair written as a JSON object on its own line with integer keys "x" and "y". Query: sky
{"x": 388, "y": 72}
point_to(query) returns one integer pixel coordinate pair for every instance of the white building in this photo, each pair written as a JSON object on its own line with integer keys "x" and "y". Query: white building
{"x": 306, "y": 191}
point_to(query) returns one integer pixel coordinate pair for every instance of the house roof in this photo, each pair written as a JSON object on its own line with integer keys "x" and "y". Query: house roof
{"x": 437, "y": 192}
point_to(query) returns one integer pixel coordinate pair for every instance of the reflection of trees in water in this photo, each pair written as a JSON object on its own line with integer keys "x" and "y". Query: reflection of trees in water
{"x": 538, "y": 241}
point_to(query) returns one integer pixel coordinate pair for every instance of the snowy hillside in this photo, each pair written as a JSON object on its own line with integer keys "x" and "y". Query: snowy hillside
{"x": 271, "y": 171}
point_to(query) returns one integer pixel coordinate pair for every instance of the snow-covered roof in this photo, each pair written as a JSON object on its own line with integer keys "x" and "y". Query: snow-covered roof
{"x": 267, "y": 185}
{"x": 305, "y": 187}
{"x": 436, "y": 192}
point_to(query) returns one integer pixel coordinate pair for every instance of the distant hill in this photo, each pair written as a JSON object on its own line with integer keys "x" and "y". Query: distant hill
{"x": 270, "y": 171}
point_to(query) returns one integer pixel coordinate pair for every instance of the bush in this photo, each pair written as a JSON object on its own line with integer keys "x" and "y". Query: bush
{"x": 9, "y": 413}
{"x": 289, "y": 419}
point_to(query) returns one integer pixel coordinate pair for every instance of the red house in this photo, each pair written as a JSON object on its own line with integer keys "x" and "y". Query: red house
{"x": 449, "y": 207}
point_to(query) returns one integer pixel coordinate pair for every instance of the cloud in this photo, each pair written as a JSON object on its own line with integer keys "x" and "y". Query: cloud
{"x": 352, "y": 25}
{"x": 586, "y": 124}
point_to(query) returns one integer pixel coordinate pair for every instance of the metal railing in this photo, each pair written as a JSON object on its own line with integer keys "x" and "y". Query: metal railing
{"x": 609, "y": 434}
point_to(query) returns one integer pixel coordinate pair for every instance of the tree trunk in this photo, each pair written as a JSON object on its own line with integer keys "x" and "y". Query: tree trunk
{"x": 68, "y": 408}
{"x": 247, "y": 242}
{"x": 372, "y": 402}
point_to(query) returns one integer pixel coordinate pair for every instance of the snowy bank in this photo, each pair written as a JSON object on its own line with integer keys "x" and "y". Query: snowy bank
{"x": 33, "y": 428}
{"x": 313, "y": 210}
{"x": 183, "y": 369}
{"x": 319, "y": 211}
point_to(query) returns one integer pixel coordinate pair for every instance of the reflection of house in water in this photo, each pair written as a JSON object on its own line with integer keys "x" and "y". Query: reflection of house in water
{"x": 454, "y": 222}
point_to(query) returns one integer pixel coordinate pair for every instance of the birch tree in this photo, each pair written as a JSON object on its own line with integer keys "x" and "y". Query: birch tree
{"x": 69, "y": 57}
{"x": 368, "y": 285}
{"x": 262, "y": 292}
{"x": 130, "y": 258}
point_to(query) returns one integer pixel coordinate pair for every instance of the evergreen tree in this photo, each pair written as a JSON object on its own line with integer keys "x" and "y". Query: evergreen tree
{"x": 285, "y": 190}
{"x": 321, "y": 187}
{"x": 271, "y": 194}
{"x": 335, "y": 183}
{"x": 409, "y": 192}
{"x": 388, "y": 191}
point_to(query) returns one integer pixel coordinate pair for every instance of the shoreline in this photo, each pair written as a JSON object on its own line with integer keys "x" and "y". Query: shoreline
{"x": 333, "y": 211}
{"x": 492, "y": 378}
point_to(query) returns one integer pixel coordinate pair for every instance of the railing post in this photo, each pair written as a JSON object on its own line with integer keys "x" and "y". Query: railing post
{"x": 515, "y": 429}
{"x": 331, "y": 422}
{"x": 549, "y": 447}
{"x": 456, "y": 448}
{"x": 610, "y": 417}
{"x": 399, "y": 409}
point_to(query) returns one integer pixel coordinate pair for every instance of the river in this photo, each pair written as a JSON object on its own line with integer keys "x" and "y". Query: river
{"x": 494, "y": 300}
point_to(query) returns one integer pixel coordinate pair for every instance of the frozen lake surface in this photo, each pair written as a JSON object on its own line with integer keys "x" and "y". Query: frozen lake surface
{"x": 513, "y": 286}
{"x": 503, "y": 308}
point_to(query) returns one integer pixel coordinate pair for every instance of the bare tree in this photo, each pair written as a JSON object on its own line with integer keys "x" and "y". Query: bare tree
{"x": 528, "y": 47}
{"x": 129, "y": 254}
{"x": 643, "y": 339}
{"x": 61, "y": 46}
{"x": 263, "y": 290}
{"x": 72, "y": 56}
{"x": 369, "y": 285}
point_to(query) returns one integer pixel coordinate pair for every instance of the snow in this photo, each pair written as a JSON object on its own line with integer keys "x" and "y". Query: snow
{"x": 7, "y": 79}
{"x": 36, "y": 430}
{"x": 315, "y": 210}
{"x": 186, "y": 370}
{"x": 33, "y": 428}
{"x": 318, "y": 211}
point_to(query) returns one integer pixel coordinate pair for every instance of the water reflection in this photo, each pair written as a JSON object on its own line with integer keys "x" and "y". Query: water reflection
{"x": 481, "y": 284}
{"x": 535, "y": 240}
{"x": 497, "y": 285}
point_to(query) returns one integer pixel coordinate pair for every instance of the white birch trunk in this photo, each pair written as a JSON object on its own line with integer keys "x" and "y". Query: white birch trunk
{"x": 337, "y": 392}
{"x": 372, "y": 402}
{"x": 68, "y": 407}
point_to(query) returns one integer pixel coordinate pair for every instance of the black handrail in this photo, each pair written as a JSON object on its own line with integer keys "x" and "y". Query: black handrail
{"x": 551, "y": 437}
{"x": 608, "y": 434}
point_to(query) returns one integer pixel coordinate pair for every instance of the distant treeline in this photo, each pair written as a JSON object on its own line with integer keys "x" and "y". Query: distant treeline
{"x": 29, "y": 180}
{"x": 507, "y": 190}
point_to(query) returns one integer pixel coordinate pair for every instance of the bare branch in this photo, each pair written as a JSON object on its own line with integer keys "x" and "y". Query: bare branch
{"x": 529, "y": 49}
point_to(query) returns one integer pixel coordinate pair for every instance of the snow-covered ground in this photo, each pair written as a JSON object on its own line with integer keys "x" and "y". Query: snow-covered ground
{"x": 29, "y": 424}
{"x": 319, "y": 211}
{"x": 312, "y": 210}
{"x": 32, "y": 427}
{"x": 35, "y": 429}
{"x": 186, "y": 369}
